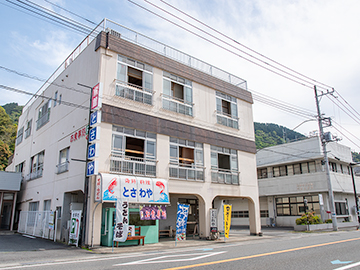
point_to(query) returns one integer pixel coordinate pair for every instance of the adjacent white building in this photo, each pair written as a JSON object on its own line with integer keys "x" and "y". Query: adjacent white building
{"x": 293, "y": 172}
{"x": 164, "y": 115}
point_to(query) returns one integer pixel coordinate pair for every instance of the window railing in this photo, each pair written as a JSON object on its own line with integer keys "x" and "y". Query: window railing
{"x": 27, "y": 132}
{"x": 223, "y": 176}
{"x": 227, "y": 120}
{"x": 186, "y": 172}
{"x": 62, "y": 167}
{"x": 120, "y": 163}
{"x": 133, "y": 92}
{"x": 177, "y": 105}
{"x": 36, "y": 174}
{"x": 42, "y": 120}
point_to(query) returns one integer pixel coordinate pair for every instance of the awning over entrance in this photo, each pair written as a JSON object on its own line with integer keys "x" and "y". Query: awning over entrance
{"x": 134, "y": 189}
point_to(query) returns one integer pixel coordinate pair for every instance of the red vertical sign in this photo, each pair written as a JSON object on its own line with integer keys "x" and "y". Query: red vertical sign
{"x": 95, "y": 96}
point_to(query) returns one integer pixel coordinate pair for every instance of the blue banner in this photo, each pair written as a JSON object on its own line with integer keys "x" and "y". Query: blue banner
{"x": 181, "y": 221}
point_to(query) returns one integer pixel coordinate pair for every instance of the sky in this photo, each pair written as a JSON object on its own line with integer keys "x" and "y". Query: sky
{"x": 319, "y": 39}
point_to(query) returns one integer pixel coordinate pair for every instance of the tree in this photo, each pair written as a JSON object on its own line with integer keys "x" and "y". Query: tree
{"x": 7, "y": 138}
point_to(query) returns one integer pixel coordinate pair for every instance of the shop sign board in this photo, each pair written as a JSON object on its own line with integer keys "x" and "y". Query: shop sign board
{"x": 121, "y": 221}
{"x": 95, "y": 118}
{"x": 94, "y": 134}
{"x": 96, "y": 97}
{"x": 93, "y": 151}
{"x": 134, "y": 189}
{"x": 181, "y": 221}
{"x": 227, "y": 219}
{"x": 98, "y": 197}
{"x": 74, "y": 227}
{"x": 92, "y": 168}
{"x": 213, "y": 220}
{"x": 152, "y": 212}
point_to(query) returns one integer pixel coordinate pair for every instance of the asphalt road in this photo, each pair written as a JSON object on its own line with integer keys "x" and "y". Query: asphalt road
{"x": 288, "y": 250}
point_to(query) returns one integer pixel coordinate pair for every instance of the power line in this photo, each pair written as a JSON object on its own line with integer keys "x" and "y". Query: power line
{"x": 216, "y": 44}
{"x": 42, "y": 80}
{"x": 246, "y": 47}
{"x": 42, "y": 96}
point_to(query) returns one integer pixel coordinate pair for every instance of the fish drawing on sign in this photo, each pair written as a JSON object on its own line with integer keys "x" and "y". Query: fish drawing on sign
{"x": 109, "y": 192}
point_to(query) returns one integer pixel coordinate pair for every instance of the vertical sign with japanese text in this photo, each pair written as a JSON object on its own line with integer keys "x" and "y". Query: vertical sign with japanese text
{"x": 98, "y": 195}
{"x": 181, "y": 221}
{"x": 213, "y": 220}
{"x": 74, "y": 227}
{"x": 96, "y": 97}
{"x": 122, "y": 221}
{"x": 227, "y": 219}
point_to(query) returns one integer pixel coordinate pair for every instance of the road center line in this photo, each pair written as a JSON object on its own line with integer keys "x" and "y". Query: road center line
{"x": 263, "y": 254}
{"x": 348, "y": 266}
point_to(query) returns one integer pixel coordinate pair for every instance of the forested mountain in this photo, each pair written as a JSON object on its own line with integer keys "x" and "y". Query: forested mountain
{"x": 13, "y": 110}
{"x": 268, "y": 134}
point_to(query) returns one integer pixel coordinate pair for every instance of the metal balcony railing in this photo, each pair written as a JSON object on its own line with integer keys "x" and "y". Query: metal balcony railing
{"x": 36, "y": 174}
{"x": 177, "y": 105}
{"x": 133, "y": 92}
{"x": 186, "y": 172}
{"x": 120, "y": 163}
{"x": 62, "y": 167}
{"x": 224, "y": 176}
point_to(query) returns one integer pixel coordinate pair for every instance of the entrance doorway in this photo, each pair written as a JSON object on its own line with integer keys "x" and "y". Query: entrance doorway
{"x": 6, "y": 211}
{"x": 193, "y": 218}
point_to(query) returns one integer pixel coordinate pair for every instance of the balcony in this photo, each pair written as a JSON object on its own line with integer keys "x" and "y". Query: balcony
{"x": 133, "y": 92}
{"x": 186, "y": 172}
{"x": 177, "y": 105}
{"x": 222, "y": 176}
{"x": 62, "y": 167}
{"x": 120, "y": 163}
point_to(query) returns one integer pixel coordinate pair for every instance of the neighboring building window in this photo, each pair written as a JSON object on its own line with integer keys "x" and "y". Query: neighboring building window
{"x": 44, "y": 115}
{"x": 332, "y": 166}
{"x": 262, "y": 173}
{"x": 47, "y": 205}
{"x": 55, "y": 98}
{"x": 294, "y": 206}
{"x": 34, "y": 206}
{"x": 226, "y": 110}
{"x": 264, "y": 213}
{"x": 134, "y": 80}
{"x": 239, "y": 214}
{"x": 28, "y": 128}
{"x": 186, "y": 159}
{"x": 19, "y": 137}
{"x": 37, "y": 163}
{"x": 63, "y": 165}
{"x": 133, "y": 151}
{"x": 60, "y": 99}
{"x": 341, "y": 208}
{"x": 177, "y": 94}
{"x": 20, "y": 167}
{"x": 224, "y": 165}
{"x": 58, "y": 212}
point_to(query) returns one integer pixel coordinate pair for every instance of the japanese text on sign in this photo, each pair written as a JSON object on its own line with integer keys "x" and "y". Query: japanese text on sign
{"x": 78, "y": 134}
{"x": 181, "y": 221}
{"x": 227, "y": 219}
{"x": 122, "y": 221}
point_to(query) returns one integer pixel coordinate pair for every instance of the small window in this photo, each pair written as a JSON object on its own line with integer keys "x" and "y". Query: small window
{"x": 60, "y": 99}
{"x": 47, "y": 205}
{"x": 341, "y": 208}
{"x": 55, "y": 98}
{"x": 63, "y": 165}
{"x": 28, "y": 128}
{"x": 34, "y": 206}
{"x": 226, "y": 110}
{"x": 19, "y": 137}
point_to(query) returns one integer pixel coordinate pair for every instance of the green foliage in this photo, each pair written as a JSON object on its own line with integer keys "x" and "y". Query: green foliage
{"x": 14, "y": 111}
{"x": 355, "y": 157}
{"x": 308, "y": 218}
{"x": 8, "y": 131}
{"x": 328, "y": 220}
{"x": 267, "y": 134}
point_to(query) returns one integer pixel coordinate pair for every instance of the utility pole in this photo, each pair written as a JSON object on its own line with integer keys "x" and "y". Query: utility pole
{"x": 323, "y": 142}
{"x": 354, "y": 186}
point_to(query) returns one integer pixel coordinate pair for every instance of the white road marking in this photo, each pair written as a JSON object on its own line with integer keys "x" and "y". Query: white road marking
{"x": 348, "y": 266}
{"x": 198, "y": 256}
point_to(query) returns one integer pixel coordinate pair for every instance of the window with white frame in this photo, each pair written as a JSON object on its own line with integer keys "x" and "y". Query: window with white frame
{"x": 133, "y": 151}
{"x": 134, "y": 80}
{"x": 28, "y": 128}
{"x": 19, "y": 136}
{"x": 47, "y": 205}
{"x": 43, "y": 115}
{"x": 186, "y": 159}
{"x": 224, "y": 165}
{"x": 341, "y": 208}
{"x": 177, "y": 94}
{"x": 226, "y": 110}
{"x": 37, "y": 164}
{"x": 63, "y": 165}
{"x": 20, "y": 167}
{"x": 34, "y": 206}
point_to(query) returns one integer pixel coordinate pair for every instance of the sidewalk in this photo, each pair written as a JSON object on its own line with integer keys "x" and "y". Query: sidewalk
{"x": 236, "y": 235}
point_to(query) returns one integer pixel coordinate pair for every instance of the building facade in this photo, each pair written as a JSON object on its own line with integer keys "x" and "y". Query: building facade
{"x": 289, "y": 174}
{"x": 162, "y": 117}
